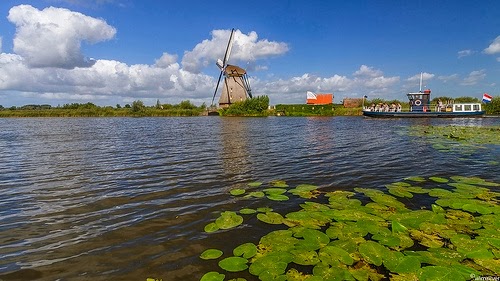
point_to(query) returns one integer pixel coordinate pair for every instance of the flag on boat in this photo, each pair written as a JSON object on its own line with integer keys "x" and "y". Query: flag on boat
{"x": 487, "y": 98}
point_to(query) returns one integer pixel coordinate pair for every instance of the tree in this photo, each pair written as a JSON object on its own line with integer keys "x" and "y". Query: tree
{"x": 493, "y": 107}
{"x": 138, "y": 106}
{"x": 186, "y": 104}
{"x": 118, "y": 105}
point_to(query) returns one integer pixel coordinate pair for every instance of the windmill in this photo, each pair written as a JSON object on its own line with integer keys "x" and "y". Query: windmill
{"x": 236, "y": 87}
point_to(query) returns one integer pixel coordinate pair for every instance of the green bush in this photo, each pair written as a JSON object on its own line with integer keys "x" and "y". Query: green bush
{"x": 256, "y": 106}
{"x": 493, "y": 107}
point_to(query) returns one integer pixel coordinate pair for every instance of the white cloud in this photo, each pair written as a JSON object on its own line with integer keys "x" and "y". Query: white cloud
{"x": 448, "y": 78}
{"x": 52, "y": 37}
{"x": 465, "y": 53}
{"x": 167, "y": 60}
{"x": 373, "y": 79}
{"x": 246, "y": 48}
{"x": 366, "y": 71}
{"x": 494, "y": 47}
{"x": 474, "y": 77}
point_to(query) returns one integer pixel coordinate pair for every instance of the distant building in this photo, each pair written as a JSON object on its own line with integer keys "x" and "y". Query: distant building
{"x": 313, "y": 98}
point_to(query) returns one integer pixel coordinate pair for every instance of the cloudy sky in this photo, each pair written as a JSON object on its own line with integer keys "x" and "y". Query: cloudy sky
{"x": 112, "y": 52}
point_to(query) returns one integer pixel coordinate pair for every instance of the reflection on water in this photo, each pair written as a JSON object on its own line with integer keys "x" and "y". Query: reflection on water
{"x": 128, "y": 198}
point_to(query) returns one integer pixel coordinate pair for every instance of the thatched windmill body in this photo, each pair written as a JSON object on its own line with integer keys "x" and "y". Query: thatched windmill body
{"x": 235, "y": 87}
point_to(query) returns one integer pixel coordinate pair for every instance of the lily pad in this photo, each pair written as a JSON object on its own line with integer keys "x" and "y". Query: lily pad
{"x": 255, "y": 194}
{"x": 228, "y": 220}
{"x": 304, "y": 257}
{"x": 211, "y": 227}
{"x": 373, "y": 252}
{"x": 270, "y": 218}
{"x": 237, "y": 191}
{"x": 439, "y": 273}
{"x": 234, "y": 264}
{"x": 271, "y": 264}
{"x": 247, "y": 211}
{"x": 255, "y": 184}
{"x": 210, "y": 254}
{"x": 439, "y": 179}
{"x": 278, "y": 197}
{"x": 213, "y": 276}
{"x": 331, "y": 255}
{"x": 246, "y": 250}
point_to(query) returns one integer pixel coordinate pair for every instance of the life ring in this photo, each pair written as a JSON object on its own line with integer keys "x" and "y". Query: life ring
{"x": 418, "y": 102}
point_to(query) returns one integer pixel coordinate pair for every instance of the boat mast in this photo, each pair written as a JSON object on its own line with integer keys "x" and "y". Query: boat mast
{"x": 421, "y": 78}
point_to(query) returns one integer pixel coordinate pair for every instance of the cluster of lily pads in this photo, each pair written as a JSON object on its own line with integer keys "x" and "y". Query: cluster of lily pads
{"x": 367, "y": 234}
{"x": 462, "y": 139}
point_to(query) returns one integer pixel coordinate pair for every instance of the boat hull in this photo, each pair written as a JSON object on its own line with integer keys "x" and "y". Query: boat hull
{"x": 417, "y": 114}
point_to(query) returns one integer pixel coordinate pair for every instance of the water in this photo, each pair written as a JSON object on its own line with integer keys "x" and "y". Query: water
{"x": 128, "y": 198}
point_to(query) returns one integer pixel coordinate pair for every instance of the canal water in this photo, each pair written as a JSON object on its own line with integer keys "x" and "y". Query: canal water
{"x": 128, "y": 198}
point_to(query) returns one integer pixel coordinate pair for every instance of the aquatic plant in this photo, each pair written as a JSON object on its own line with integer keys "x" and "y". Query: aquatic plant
{"x": 461, "y": 139}
{"x": 368, "y": 234}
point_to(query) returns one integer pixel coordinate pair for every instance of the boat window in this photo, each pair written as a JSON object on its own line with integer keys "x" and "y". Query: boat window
{"x": 458, "y": 107}
{"x": 467, "y": 107}
{"x": 476, "y": 107}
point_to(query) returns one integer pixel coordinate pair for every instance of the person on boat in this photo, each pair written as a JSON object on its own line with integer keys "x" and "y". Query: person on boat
{"x": 440, "y": 105}
{"x": 398, "y": 107}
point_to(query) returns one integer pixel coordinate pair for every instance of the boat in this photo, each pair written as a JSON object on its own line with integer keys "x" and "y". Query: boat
{"x": 420, "y": 106}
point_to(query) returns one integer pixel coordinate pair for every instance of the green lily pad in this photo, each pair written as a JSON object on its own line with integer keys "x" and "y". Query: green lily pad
{"x": 211, "y": 227}
{"x": 279, "y": 184}
{"x": 399, "y": 263}
{"x": 397, "y": 227}
{"x": 234, "y": 264}
{"x": 415, "y": 179}
{"x": 439, "y": 273}
{"x": 228, "y": 220}
{"x": 439, "y": 179}
{"x": 331, "y": 255}
{"x": 270, "y": 218}
{"x": 255, "y": 194}
{"x": 264, "y": 209}
{"x": 246, "y": 250}
{"x": 400, "y": 191}
{"x": 213, "y": 276}
{"x": 210, "y": 254}
{"x": 255, "y": 184}
{"x": 491, "y": 264}
{"x": 271, "y": 264}
{"x": 274, "y": 190}
{"x": 247, "y": 211}
{"x": 237, "y": 191}
{"x": 373, "y": 252}
{"x": 326, "y": 272}
{"x": 304, "y": 257}
{"x": 278, "y": 197}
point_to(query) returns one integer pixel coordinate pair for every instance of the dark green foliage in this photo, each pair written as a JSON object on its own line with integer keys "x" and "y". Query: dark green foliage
{"x": 138, "y": 106}
{"x": 493, "y": 107}
{"x": 306, "y": 109}
{"x": 256, "y": 106}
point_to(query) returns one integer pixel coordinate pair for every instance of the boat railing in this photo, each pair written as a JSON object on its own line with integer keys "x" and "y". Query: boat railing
{"x": 433, "y": 107}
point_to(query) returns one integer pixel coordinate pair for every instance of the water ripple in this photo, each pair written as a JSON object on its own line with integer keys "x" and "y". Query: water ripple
{"x": 115, "y": 198}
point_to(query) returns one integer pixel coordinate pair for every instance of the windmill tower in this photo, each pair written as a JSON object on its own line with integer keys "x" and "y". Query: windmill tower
{"x": 235, "y": 87}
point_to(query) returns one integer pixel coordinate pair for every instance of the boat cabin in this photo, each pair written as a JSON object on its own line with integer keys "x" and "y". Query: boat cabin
{"x": 467, "y": 107}
{"x": 420, "y": 101}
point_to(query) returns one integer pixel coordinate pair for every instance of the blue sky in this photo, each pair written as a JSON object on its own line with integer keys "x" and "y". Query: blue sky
{"x": 112, "y": 52}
